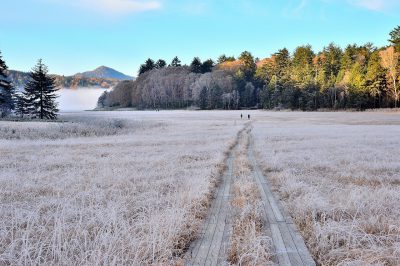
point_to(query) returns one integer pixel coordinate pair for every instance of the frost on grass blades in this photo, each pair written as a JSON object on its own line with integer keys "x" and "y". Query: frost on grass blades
{"x": 135, "y": 187}
{"x": 338, "y": 175}
{"x": 250, "y": 244}
{"x": 135, "y": 197}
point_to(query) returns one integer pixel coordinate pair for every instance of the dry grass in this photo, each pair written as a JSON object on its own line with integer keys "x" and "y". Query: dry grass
{"x": 133, "y": 196}
{"x": 249, "y": 244}
{"x": 339, "y": 178}
{"x": 133, "y": 187}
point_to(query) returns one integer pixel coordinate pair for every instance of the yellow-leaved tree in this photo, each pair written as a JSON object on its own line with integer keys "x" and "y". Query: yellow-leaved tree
{"x": 390, "y": 61}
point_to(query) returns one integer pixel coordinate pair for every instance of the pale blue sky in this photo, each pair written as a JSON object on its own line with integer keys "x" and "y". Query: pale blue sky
{"x": 78, "y": 35}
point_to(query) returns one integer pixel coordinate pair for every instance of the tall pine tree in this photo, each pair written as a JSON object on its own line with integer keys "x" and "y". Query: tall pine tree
{"x": 6, "y": 91}
{"x": 207, "y": 66}
{"x": 176, "y": 62}
{"x": 395, "y": 38}
{"x": 195, "y": 66}
{"x": 20, "y": 105}
{"x": 40, "y": 93}
{"x": 147, "y": 66}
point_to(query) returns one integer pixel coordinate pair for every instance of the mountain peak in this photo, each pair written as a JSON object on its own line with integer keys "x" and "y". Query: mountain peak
{"x": 103, "y": 68}
{"x": 105, "y": 72}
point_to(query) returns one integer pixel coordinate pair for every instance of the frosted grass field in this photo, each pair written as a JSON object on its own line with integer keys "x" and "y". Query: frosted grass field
{"x": 338, "y": 175}
{"x": 134, "y": 187}
{"x": 133, "y": 196}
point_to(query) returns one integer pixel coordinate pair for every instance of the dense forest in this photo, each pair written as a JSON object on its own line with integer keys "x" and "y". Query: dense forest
{"x": 356, "y": 77}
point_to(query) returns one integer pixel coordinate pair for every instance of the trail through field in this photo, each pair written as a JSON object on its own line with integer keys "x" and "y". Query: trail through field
{"x": 289, "y": 246}
{"x": 212, "y": 245}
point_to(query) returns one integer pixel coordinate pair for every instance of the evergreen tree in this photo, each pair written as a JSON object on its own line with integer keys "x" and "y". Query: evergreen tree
{"x": 6, "y": 91}
{"x": 40, "y": 93}
{"x": 395, "y": 38}
{"x": 331, "y": 64}
{"x": 176, "y": 62}
{"x": 302, "y": 68}
{"x": 248, "y": 65}
{"x": 282, "y": 59}
{"x": 223, "y": 58}
{"x": 160, "y": 64}
{"x": 376, "y": 82}
{"x": 20, "y": 105}
{"x": 147, "y": 66}
{"x": 196, "y": 65}
{"x": 207, "y": 66}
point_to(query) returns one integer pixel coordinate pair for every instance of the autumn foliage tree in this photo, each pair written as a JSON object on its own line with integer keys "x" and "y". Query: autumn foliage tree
{"x": 356, "y": 77}
{"x": 390, "y": 61}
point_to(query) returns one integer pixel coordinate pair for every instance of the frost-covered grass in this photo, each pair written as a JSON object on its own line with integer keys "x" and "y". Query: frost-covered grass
{"x": 133, "y": 187}
{"x": 133, "y": 194}
{"x": 249, "y": 242}
{"x": 338, "y": 175}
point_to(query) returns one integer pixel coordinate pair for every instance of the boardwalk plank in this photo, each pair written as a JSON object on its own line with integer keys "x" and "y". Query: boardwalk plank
{"x": 215, "y": 232}
{"x": 289, "y": 245}
{"x": 212, "y": 246}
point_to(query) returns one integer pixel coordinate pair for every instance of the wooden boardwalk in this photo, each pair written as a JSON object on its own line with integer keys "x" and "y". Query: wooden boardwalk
{"x": 289, "y": 245}
{"x": 212, "y": 245}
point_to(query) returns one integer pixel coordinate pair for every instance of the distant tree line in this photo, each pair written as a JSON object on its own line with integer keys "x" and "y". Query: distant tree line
{"x": 37, "y": 100}
{"x": 196, "y": 66}
{"x": 357, "y": 77}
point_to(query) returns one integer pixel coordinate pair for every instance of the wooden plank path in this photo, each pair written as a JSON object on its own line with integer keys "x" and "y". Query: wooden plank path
{"x": 212, "y": 245}
{"x": 289, "y": 246}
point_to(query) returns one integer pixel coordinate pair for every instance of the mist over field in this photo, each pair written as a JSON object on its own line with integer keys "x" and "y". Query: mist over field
{"x": 78, "y": 99}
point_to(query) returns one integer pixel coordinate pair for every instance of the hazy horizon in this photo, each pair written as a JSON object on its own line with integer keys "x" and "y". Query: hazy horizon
{"x": 79, "y": 99}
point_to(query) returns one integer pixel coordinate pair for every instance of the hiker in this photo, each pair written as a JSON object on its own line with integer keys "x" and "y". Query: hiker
{"x": 241, "y": 116}
{"x": 248, "y": 116}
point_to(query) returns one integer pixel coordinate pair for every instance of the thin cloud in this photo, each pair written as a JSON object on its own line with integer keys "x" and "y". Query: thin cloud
{"x": 375, "y": 5}
{"x": 295, "y": 9}
{"x": 113, "y": 7}
{"x": 196, "y": 8}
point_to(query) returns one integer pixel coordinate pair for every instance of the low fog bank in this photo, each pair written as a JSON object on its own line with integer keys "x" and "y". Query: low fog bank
{"x": 78, "y": 99}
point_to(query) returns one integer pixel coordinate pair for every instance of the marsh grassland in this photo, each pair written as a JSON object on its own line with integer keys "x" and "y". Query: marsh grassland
{"x": 135, "y": 187}
{"x": 118, "y": 188}
{"x": 338, "y": 175}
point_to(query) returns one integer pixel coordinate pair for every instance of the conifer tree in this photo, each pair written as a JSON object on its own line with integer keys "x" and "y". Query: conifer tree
{"x": 223, "y": 58}
{"x": 196, "y": 65}
{"x": 207, "y": 66}
{"x": 20, "y": 105}
{"x": 6, "y": 91}
{"x": 160, "y": 64}
{"x": 395, "y": 38}
{"x": 147, "y": 66}
{"x": 40, "y": 93}
{"x": 176, "y": 62}
{"x": 249, "y": 65}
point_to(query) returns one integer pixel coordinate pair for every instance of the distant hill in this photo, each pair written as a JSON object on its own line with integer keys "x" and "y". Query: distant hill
{"x": 100, "y": 77}
{"x": 105, "y": 72}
